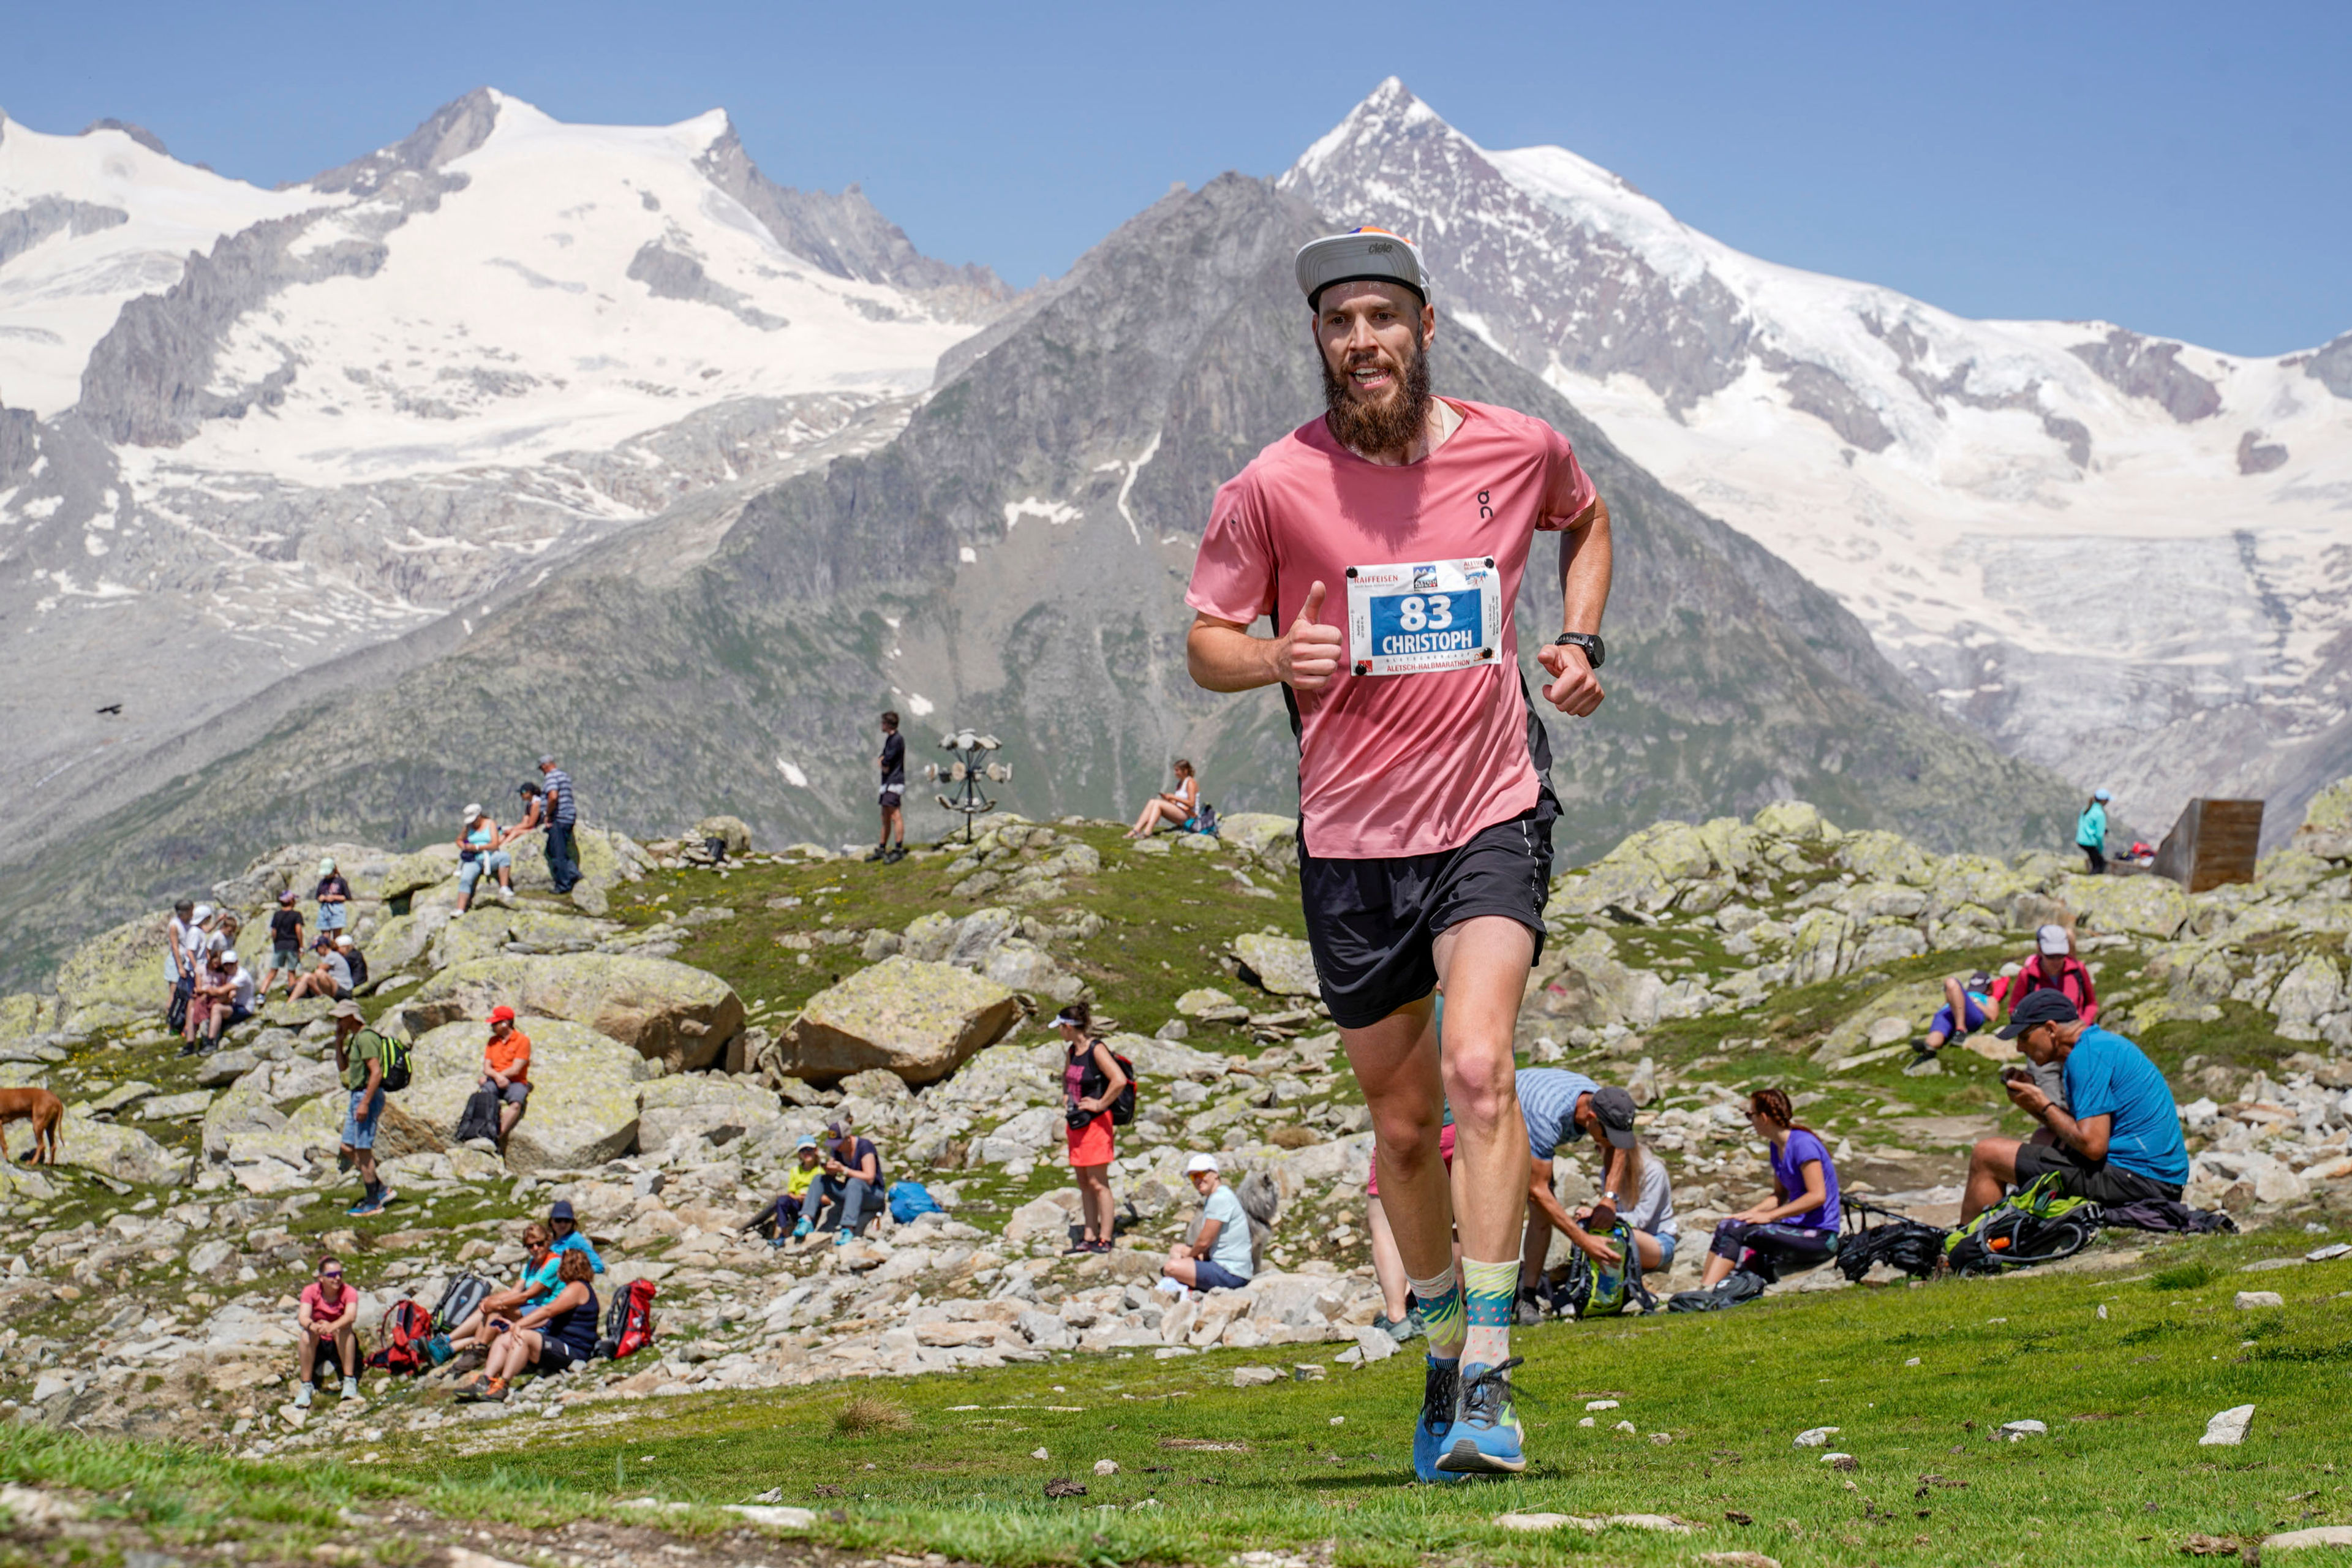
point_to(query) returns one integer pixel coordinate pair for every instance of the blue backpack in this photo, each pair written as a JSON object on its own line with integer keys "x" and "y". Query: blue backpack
{"x": 908, "y": 1199}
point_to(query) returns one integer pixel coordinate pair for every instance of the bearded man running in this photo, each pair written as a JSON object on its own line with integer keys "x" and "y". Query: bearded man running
{"x": 1424, "y": 807}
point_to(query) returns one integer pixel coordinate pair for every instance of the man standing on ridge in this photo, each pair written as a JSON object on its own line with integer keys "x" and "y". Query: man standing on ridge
{"x": 562, "y": 865}
{"x": 1424, "y": 807}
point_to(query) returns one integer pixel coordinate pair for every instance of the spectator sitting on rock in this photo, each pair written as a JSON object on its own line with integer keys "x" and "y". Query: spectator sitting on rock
{"x": 852, "y": 1184}
{"x": 327, "y": 1315}
{"x": 332, "y": 893}
{"x": 559, "y": 1333}
{"x": 2121, "y": 1142}
{"x": 534, "y": 812}
{"x": 1091, "y": 1082}
{"x": 793, "y": 1212}
{"x": 1218, "y": 1256}
{"x": 228, "y": 997}
{"x": 2054, "y": 966}
{"x": 537, "y": 1284}
{"x": 480, "y": 852}
{"x": 1649, "y": 1214}
{"x": 564, "y": 1234}
{"x": 284, "y": 941}
{"x": 332, "y": 978}
{"x": 505, "y": 1067}
{"x": 354, "y": 960}
{"x": 1178, "y": 806}
{"x": 1799, "y": 1226}
{"x": 1968, "y": 1005}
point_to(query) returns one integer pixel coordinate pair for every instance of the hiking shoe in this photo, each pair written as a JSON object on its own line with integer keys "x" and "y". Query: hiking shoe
{"x": 1440, "y": 1396}
{"x": 800, "y": 1230}
{"x": 350, "y": 1388}
{"x": 1530, "y": 1311}
{"x": 1078, "y": 1248}
{"x": 366, "y": 1206}
{"x": 876, "y": 854}
{"x": 1484, "y": 1438}
{"x": 302, "y": 1396}
{"x": 495, "y": 1389}
{"x": 897, "y": 853}
{"x": 844, "y": 1239}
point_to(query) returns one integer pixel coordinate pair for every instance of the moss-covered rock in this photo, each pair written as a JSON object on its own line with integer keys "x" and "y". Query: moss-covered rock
{"x": 918, "y": 1019}
{"x": 2146, "y": 906}
{"x": 124, "y": 1154}
{"x": 118, "y": 976}
{"x": 1284, "y": 965}
{"x": 669, "y": 1012}
{"x": 584, "y": 1105}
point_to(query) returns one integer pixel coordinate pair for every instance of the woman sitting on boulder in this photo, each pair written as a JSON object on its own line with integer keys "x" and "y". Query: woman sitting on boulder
{"x": 1175, "y": 807}
{"x": 547, "y": 1339}
{"x": 1092, "y": 1081}
{"x": 1797, "y": 1228}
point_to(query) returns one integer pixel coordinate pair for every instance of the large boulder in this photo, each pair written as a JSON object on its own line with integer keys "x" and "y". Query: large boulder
{"x": 1263, "y": 835}
{"x": 2326, "y": 828}
{"x": 585, "y": 1095}
{"x": 730, "y": 831}
{"x": 705, "y": 1104}
{"x": 2312, "y": 988}
{"x": 1019, "y": 964}
{"x": 2146, "y": 906}
{"x": 1282, "y": 965}
{"x": 1583, "y": 983}
{"x": 487, "y": 929}
{"x": 669, "y": 1012}
{"x": 117, "y": 976}
{"x": 124, "y": 1154}
{"x": 918, "y": 1019}
{"x": 1875, "y": 855}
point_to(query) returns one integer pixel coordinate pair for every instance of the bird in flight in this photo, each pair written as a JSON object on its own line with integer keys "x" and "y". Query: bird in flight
{"x": 114, "y": 708}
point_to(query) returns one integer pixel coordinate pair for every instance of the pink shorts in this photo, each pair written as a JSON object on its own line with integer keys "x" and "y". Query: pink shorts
{"x": 1444, "y": 1153}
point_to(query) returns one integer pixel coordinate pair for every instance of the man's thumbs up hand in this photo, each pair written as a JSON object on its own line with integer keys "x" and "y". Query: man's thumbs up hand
{"x": 1305, "y": 654}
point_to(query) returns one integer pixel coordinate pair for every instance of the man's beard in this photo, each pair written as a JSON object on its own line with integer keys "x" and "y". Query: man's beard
{"x": 1389, "y": 425}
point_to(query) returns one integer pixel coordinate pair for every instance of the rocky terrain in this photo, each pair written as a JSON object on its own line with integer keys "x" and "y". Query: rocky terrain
{"x": 693, "y": 1013}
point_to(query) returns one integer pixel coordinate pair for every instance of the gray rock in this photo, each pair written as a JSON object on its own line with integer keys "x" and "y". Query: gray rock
{"x": 919, "y": 1020}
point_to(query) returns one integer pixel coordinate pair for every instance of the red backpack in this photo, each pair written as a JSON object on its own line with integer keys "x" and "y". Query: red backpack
{"x": 406, "y": 1326}
{"x": 628, "y": 1321}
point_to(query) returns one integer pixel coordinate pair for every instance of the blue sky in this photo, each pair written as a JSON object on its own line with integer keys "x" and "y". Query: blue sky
{"x": 2184, "y": 169}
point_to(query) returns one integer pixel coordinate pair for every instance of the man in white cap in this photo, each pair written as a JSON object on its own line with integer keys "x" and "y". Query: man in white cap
{"x": 1425, "y": 809}
{"x": 1218, "y": 1255}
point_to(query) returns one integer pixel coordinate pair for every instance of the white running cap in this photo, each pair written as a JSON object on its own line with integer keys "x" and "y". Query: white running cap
{"x": 2052, "y": 939}
{"x": 202, "y": 912}
{"x": 1199, "y": 1162}
{"x": 1360, "y": 256}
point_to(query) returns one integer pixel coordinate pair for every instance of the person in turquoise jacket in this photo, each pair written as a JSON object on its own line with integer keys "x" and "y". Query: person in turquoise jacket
{"x": 2091, "y": 832}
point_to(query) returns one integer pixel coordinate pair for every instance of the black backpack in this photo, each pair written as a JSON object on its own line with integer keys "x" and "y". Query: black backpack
{"x": 1091, "y": 1082}
{"x": 480, "y": 1119}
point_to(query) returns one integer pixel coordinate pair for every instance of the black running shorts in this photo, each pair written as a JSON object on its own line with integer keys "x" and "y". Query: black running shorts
{"x": 1371, "y": 922}
{"x": 2102, "y": 1183}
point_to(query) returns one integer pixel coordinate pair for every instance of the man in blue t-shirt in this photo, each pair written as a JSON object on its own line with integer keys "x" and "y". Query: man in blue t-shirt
{"x": 1561, "y": 1106}
{"x": 2120, "y": 1142}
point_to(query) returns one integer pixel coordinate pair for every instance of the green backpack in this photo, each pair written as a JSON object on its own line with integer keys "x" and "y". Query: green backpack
{"x": 1599, "y": 1290}
{"x": 2035, "y": 1224}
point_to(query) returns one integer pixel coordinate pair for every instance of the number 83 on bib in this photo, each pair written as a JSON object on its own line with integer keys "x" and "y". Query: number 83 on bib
{"x": 1421, "y": 618}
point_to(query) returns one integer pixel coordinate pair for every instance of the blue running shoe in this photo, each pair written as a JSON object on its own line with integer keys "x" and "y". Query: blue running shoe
{"x": 1440, "y": 1396}
{"x": 1485, "y": 1439}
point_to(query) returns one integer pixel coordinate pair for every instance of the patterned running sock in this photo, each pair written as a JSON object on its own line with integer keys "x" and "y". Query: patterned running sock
{"x": 1490, "y": 1299}
{"x": 1440, "y": 1302}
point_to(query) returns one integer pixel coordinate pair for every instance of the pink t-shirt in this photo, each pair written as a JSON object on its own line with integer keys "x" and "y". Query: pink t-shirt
{"x": 322, "y": 1314}
{"x": 1395, "y": 764}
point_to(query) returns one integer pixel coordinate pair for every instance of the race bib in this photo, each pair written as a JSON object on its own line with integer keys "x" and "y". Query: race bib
{"x": 1418, "y": 619}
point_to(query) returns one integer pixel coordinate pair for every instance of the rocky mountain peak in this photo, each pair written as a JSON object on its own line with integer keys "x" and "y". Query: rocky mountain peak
{"x": 451, "y": 132}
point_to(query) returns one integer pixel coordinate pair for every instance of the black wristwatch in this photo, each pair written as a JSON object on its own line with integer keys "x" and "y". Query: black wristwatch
{"x": 1594, "y": 650}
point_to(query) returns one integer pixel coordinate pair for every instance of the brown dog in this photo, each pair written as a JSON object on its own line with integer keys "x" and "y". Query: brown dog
{"x": 40, "y": 1108}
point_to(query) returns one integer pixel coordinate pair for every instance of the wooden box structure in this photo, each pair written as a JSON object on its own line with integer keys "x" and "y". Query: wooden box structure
{"x": 2215, "y": 841}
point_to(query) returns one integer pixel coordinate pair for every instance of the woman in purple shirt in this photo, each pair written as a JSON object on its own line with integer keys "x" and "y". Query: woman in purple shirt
{"x": 1799, "y": 1228}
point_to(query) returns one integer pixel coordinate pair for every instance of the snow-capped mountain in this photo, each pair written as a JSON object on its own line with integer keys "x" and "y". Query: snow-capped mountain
{"x": 244, "y": 431}
{"x": 2128, "y": 558}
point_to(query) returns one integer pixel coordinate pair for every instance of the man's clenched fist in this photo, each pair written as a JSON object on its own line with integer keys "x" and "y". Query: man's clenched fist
{"x": 1574, "y": 690}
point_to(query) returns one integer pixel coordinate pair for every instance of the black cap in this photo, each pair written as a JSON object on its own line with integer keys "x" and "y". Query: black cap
{"x": 2047, "y": 1005}
{"x": 1615, "y": 1108}
{"x": 562, "y": 1211}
